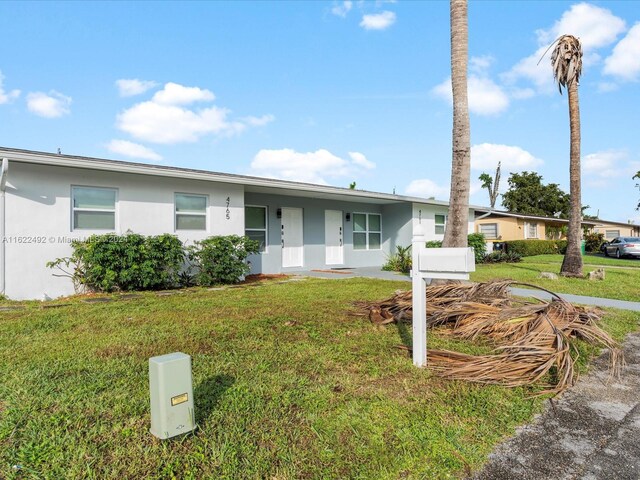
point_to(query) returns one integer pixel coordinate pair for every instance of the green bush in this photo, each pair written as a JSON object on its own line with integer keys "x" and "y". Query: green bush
{"x": 528, "y": 248}
{"x": 221, "y": 259}
{"x": 399, "y": 261}
{"x": 593, "y": 241}
{"x": 475, "y": 240}
{"x": 502, "y": 257}
{"x": 479, "y": 244}
{"x": 105, "y": 263}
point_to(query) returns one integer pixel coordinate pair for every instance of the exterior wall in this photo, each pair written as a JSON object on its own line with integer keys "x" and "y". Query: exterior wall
{"x": 512, "y": 228}
{"x": 625, "y": 230}
{"x": 314, "y": 234}
{"x": 38, "y": 218}
{"x": 396, "y": 226}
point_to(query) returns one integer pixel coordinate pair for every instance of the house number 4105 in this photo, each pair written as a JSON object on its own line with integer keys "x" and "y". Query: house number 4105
{"x": 228, "y": 212}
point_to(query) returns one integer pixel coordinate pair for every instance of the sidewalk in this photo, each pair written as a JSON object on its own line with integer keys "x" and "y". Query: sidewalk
{"x": 592, "y": 432}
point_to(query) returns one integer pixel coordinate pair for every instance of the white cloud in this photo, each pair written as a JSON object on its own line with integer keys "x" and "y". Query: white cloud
{"x": 596, "y": 27}
{"x": 486, "y": 156}
{"x": 6, "y": 97}
{"x": 133, "y": 150}
{"x": 606, "y": 164}
{"x": 311, "y": 167}
{"x": 341, "y": 9}
{"x": 360, "y": 160}
{"x": 133, "y": 86}
{"x": 166, "y": 119}
{"x": 624, "y": 61}
{"x": 605, "y": 87}
{"x": 485, "y": 96}
{"x": 51, "y": 105}
{"x": 481, "y": 64}
{"x": 259, "y": 121}
{"x": 378, "y": 21}
{"x": 176, "y": 94}
{"x": 427, "y": 188}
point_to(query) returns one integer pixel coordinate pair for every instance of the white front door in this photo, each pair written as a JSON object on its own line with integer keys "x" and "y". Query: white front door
{"x": 292, "y": 238}
{"x": 333, "y": 237}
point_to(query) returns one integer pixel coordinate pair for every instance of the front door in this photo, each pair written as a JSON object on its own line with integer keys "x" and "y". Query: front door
{"x": 333, "y": 237}
{"x": 292, "y": 238}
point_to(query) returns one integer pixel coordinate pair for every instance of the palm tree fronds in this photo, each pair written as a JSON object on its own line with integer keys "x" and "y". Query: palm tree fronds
{"x": 532, "y": 341}
{"x": 566, "y": 61}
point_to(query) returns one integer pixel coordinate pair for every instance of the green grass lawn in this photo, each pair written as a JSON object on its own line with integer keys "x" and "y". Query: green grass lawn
{"x": 622, "y": 280}
{"x": 287, "y": 385}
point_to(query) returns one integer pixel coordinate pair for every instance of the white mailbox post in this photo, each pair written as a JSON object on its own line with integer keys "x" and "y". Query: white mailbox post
{"x": 445, "y": 263}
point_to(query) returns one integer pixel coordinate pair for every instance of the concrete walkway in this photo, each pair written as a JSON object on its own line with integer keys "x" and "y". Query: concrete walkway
{"x": 592, "y": 432}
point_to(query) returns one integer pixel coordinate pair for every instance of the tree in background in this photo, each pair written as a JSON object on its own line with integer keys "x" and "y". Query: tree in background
{"x": 491, "y": 184}
{"x": 637, "y": 175}
{"x": 458, "y": 221}
{"x": 566, "y": 61}
{"x": 528, "y": 195}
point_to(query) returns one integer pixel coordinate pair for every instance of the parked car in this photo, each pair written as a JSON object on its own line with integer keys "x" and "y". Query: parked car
{"x": 603, "y": 247}
{"x": 622, "y": 247}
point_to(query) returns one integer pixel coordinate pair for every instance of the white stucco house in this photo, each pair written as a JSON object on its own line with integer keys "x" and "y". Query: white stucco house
{"x": 47, "y": 199}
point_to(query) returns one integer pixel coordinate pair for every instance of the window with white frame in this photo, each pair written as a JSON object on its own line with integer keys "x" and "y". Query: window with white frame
{"x": 191, "y": 212}
{"x": 441, "y": 222}
{"x": 367, "y": 231}
{"x": 611, "y": 234}
{"x": 531, "y": 230}
{"x": 93, "y": 208}
{"x": 489, "y": 230}
{"x": 255, "y": 225}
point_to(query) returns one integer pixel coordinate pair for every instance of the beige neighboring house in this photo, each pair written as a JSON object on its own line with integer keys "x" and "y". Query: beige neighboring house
{"x": 500, "y": 226}
{"x": 611, "y": 230}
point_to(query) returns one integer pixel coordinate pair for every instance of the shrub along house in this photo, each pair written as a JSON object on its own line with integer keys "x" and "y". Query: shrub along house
{"x": 49, "y": 199}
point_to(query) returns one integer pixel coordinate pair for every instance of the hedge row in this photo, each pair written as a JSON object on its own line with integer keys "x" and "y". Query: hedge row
{"x": 528, "y": 248}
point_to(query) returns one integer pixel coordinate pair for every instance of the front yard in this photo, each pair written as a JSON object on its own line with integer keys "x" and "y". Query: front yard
{"x": 287, "y": 385}
{"x": 622, "y": 280}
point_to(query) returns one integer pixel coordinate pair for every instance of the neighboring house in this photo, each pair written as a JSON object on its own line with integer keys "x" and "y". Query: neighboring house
{"x": 611, "y": 230}
{"x": 51, "y": 199}
{"x": 500, "y": 226}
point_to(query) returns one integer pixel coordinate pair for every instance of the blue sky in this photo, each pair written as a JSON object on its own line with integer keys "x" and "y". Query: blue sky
{"x": 326, "y": 92}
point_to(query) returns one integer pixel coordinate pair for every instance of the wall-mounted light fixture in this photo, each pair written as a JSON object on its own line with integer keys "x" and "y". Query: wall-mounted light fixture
{"x": 279, "y": 213}
{"x": 347, "y": 217}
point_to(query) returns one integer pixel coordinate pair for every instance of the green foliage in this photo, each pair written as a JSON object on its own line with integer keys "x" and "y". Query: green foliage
{"x": 593, "y": 241}
{"x": 352, "y": 186}
{"x": 528, "y": 195}
{"x": 111, "y": 262}
{"x": 637, "y": 175}
{"x": 555, "y": 232}
{"x": 399, "y": 261}
{"x": 479, "y": 244}
{"x": 475, "y": 240}
{"x": 527, "y": 248}
{"x": 221, "y": 259}
{"x": 502, "y": 257}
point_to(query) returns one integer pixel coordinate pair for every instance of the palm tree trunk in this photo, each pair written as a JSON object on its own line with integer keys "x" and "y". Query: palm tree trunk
{"x": 572, "y": 263}
{"x": 457, "y": 227}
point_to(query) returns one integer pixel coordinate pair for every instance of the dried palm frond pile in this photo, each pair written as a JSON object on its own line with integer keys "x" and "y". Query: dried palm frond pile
{"x": 532, "y": 339}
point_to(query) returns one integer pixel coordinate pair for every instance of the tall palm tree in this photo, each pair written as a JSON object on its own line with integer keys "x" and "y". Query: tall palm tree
{"x": 566, "y": 61}
{"x": 457, "y": 227}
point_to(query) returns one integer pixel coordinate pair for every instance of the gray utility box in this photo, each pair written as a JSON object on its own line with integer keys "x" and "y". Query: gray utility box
{"x": 171, "y": 395}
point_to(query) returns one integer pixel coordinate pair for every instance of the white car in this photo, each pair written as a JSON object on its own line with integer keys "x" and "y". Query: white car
{"x": 623, "y": 246}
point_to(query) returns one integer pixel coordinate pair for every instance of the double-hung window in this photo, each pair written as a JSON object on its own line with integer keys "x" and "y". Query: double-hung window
{"x": 532, "y": 230}
{"x": 94, "y": 208}
{"x": 255, "y": 225}
{"x": 191, "y": 212}
{"x": 367, "y": 231}
{"x": 441, "y": 222}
